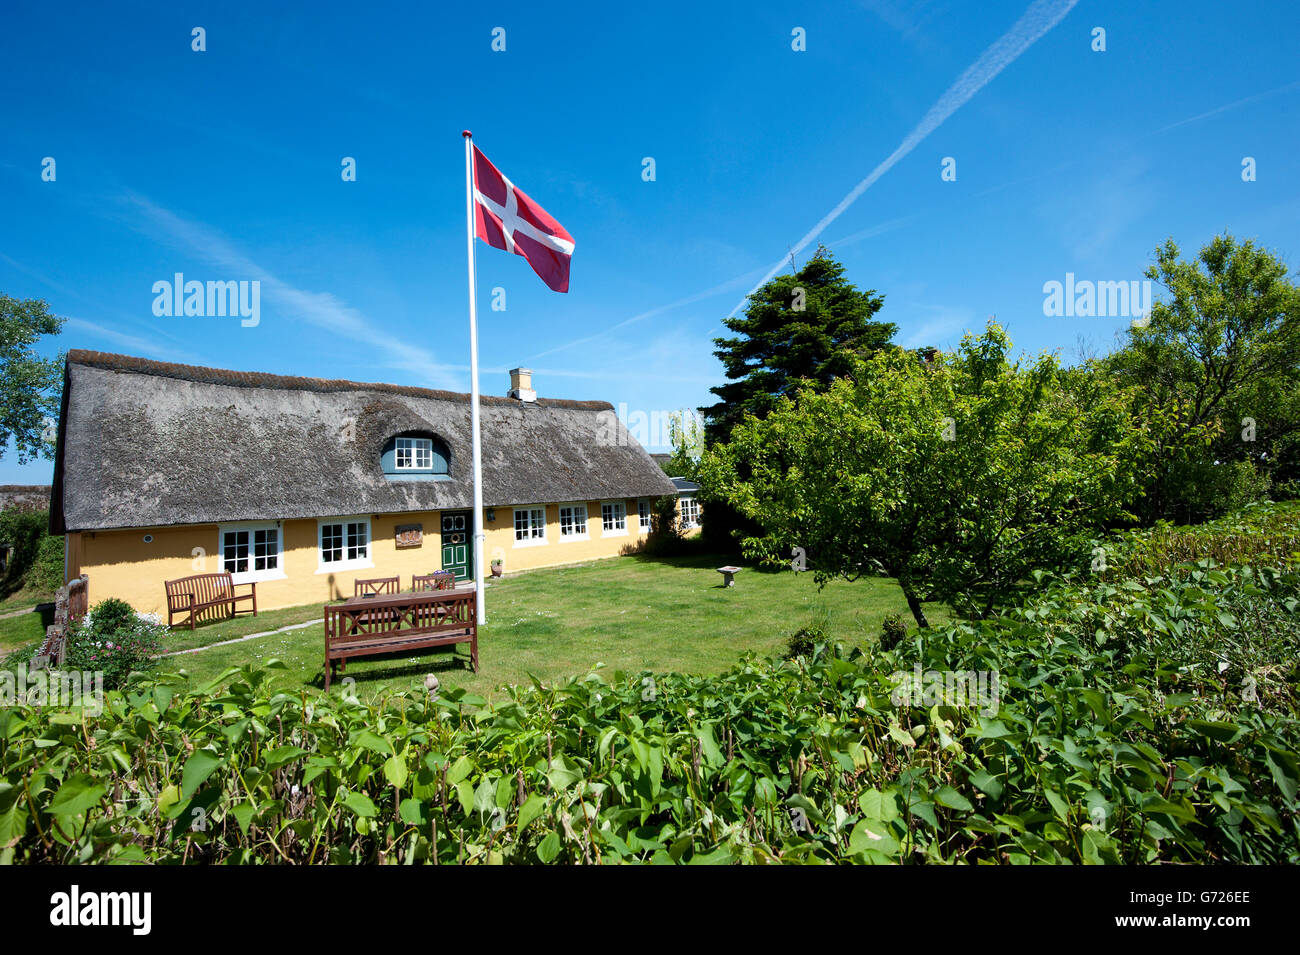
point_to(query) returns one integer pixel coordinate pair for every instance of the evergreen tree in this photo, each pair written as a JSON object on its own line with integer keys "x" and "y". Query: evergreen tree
{"x": 809, "y": 326}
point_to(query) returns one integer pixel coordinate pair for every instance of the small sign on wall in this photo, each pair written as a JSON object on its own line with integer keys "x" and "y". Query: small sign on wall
{"x": 410, "y": 535}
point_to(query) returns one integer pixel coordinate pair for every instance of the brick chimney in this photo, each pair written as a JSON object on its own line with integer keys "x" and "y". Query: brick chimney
{"x": 521, "y": 385}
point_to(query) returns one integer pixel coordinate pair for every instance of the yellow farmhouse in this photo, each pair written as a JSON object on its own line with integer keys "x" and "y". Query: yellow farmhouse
{"x": 304, "y": 485}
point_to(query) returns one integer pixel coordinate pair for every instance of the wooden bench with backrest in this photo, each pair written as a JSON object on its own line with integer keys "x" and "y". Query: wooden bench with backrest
{"x": 364, "y": 626}
{"x": 438, "y": 580}
{"x": 202, "y": 592}
{"x": 377, "y": 585}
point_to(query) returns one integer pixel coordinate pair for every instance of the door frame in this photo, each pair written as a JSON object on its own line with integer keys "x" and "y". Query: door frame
{"x": 469, "y": 541}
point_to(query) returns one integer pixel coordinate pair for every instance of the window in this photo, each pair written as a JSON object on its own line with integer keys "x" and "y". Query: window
{"x": 530, "y": 526}
{"x": 613, "y": 518}
{"x": 643, "y": 514}
{"x": 573, "y": 522}
{"x": 414, "y": 454}
{"x": 344, "y": 544}
{"x": 690, "y": 512}
{"x": 251, "y": 552}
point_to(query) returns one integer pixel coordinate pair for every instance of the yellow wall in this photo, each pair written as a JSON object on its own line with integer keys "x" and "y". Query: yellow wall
{"x": 121, "y": 564}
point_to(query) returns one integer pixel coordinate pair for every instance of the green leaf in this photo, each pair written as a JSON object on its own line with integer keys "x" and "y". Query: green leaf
{"x": 877, "y": 805}
{"x": 549, "y": 847}
{"x": 377, "y": 744}
{"x": 13, "y": 823}
{"x": 459, "y": 770}
{"x": 986, "y": 783}
{"x": 1217, "y": 730}
{"x": 947, "y": 796}
{"x": 77, "y": 794}
{"x": 1283, "y": 775}
{"x": 243, "y": 813}
{"x": 361, "y": 804}
{"x": 197, "y": 769}
{"x": 412, "y": 812}
{"x": 530, "y": 810}
{"x": 1061, "y": 807}
{"x": 395, "y": 771}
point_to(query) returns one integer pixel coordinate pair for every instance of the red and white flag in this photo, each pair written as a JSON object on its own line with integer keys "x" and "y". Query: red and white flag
{"x": 505, "y": 218}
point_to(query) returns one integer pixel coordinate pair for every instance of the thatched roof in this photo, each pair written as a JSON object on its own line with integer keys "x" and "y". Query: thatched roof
{"x": 24, "y": 497}
{"x": 145, "y": 443}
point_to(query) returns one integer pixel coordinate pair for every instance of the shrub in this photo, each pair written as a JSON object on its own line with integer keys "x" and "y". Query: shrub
{"x": 805, "y": 643}
{"x": 114, "y": 639}
{"x": 36, "y": 558}
{"x": 666, "y": 538}
{"x": 892, "y": 631}
{"x": 1114, "y": 738}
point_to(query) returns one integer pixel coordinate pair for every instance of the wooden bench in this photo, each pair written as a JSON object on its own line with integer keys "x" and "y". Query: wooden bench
{"x": 201, "y": 592}
{"x": 377, "y": 585}
{"x": 364, "y": 626}
{"x": 438, "y": 580}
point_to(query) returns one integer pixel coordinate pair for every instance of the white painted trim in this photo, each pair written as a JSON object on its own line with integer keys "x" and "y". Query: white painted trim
{"x": 252, "y": 576}
{"x": 681, "y": 511}
{"x": 585, "y": 534}
{"x": 528, "y": 541}
{"x": 417, "y": 444}
{"x": 616, "y": 532}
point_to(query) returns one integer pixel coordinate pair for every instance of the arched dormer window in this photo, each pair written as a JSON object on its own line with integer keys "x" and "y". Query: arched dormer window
{"x": 415, "y": 456}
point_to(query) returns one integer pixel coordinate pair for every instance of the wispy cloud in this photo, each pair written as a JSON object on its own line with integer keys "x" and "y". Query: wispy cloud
{"x": 136, "y": 344}
{"x": 737, "y": 282}
{"x": 1236, "y": 104}
{"x": 1041, "y": 16}
{"x": 321, "y": 309}
{"x": 943, "y": 324}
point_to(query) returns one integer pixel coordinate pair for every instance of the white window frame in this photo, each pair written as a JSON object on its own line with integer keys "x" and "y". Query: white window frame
{"x": 324, "y": 566}
{"x": 416, "y": 447}
{"x": 533, "y": 539}
{"x": 251, "y": 528}
{"x": 695, "y": 508}
{"x": 620, "y": 508}
{"x": 582, "y": 530}
{"x": 643, "y": 514}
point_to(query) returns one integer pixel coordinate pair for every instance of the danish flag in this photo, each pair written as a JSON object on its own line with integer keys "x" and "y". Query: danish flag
{"x": 505, "y": 218}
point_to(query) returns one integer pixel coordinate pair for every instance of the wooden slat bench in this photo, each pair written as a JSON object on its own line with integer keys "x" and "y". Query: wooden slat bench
{"x": 200, "y": 592}
{"x": 364, "y": 626}
{"x": 377, "y": 585}
{"x": 438, "y": 580}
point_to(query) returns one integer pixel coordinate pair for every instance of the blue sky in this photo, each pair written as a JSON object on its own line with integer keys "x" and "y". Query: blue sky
{"x": 225, "y": 165}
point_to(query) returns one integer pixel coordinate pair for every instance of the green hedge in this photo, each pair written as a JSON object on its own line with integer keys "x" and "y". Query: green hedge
{"x": 1116, "y": 737}
{"x": 36, "y": 561}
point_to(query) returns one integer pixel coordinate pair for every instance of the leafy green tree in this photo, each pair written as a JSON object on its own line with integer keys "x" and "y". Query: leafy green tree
{"x": 1221, "y": 357}
{"x": 29, "y": 385}
{"x": 806, "y": 327}
{"x": 686, "y": 438}
{"x": 957, "y": 476}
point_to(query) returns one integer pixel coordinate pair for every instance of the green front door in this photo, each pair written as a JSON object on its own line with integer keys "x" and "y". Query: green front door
{"x": 456, "y": 551}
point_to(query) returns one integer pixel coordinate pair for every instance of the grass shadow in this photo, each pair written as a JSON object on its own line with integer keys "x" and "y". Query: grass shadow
{"x": 436, "y": 660}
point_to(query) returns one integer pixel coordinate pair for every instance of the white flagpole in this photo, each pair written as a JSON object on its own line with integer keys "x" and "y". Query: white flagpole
{"x": 473, "y": 380}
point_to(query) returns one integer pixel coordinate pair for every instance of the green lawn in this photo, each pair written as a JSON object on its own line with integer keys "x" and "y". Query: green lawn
{"x": 21, "y": 630}
{"x": 629, "y": 613}
{"x": 25, "y": 600}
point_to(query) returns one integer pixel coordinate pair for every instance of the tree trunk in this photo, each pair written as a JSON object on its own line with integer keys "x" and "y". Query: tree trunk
{"x": 914, "y": 604}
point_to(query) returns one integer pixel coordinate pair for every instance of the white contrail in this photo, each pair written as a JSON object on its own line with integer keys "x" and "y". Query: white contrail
{"x": 1041, "y": 16}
